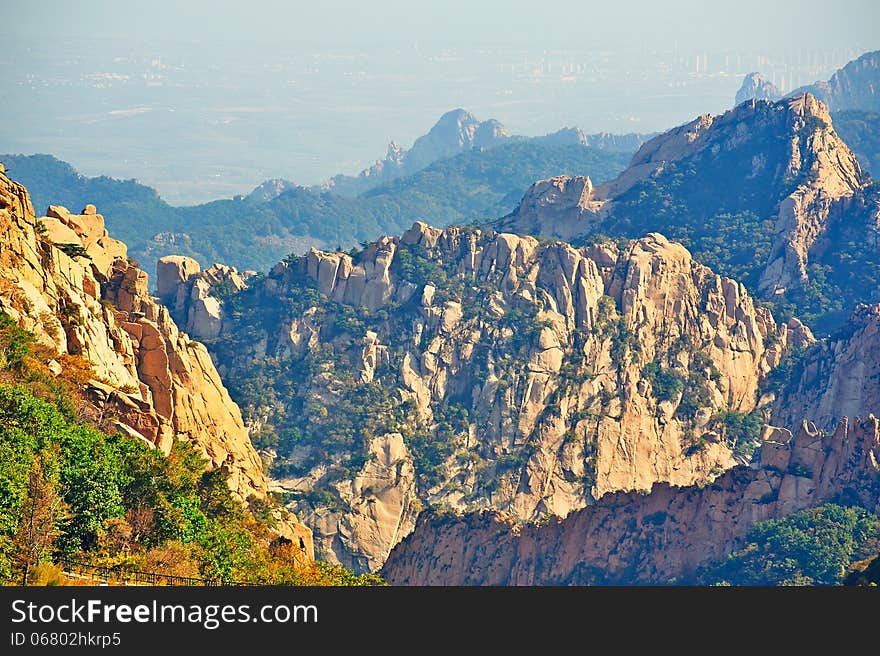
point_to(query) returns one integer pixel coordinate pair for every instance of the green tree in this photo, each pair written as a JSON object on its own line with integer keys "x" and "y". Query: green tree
{"x": 811, "y": 547}
{"x": 92, "y": 477}
{"x": 41, "y": 512}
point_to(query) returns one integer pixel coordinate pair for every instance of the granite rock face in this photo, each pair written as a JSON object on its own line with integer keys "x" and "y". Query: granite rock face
{"x": 382, "y": 506}
{"x": 548, "y": 205}
{"x": 669, "y": 534}
{"x": 192, "y": 294}
{"x": 659, "y": 538}
{"x": 582, "y": 371}
{"x": 836, "y": 377}
{"x": 855, "y": 86}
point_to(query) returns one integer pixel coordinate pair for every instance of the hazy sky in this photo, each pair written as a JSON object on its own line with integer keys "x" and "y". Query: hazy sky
{"x": 692, "y": 23}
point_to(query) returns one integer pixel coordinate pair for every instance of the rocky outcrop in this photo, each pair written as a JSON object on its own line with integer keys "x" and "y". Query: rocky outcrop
{"x": 836, "y": 377}
{"x": 757, "y": 87}
{"x": 785, "y": 157}
{"x": 194, "y": 296}
{"x": 659, "y": 538}
{"x": 85, "y": 230}
{"x": 558, "y": 213}
{"x": 382, "y": 505}
{"x": 64, "y": 279}
{"x": 548, "y": 206}
{"x": 525, "y": 376}
{"x": 171, "y": 272}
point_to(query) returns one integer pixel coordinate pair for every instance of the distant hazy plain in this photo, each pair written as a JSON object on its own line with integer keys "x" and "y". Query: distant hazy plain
{"x": 211, "y": 114}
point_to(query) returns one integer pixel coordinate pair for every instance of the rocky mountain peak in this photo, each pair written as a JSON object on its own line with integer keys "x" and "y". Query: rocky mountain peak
{"x": 269, "y": 189}
{"x": 732, "y": 131}
{"x": 785, "y": 158}
{"x": 855, "y": 86}
{"x": 756, "y": 86}
{"x": 454, "y": 132}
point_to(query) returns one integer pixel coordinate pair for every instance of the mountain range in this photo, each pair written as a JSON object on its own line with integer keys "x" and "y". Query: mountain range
{"x": 661, "y": 374}
{"x": 853, "y": 87}
{"x": 851, "y": 97}
{"x": 802, "y": 203}
{"x": 473, "y": 368}
{"x": 458, "y": 131}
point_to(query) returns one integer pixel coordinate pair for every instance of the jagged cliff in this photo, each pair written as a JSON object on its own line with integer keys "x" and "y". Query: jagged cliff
{"x": 475, "y": 369}
{"x": 662, "y": 537}
{"x": 853, "y": 87}
{"x": 835, "y": 378}
{"x": 65, "y": 280}
{"x": 796, "y": 184}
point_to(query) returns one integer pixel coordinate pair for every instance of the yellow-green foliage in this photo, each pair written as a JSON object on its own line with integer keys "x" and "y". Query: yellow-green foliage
{"x": 120, "y": 503}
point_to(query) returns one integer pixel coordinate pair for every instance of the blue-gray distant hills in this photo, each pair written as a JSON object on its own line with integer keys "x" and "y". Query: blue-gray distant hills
{"x": 463, "y": 170}
{"x": 853, "y": 87}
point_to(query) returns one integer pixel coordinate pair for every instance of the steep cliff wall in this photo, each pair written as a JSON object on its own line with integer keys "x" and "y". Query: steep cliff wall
{"x": 836, "y": 377}
{"x": 662, "y": 537}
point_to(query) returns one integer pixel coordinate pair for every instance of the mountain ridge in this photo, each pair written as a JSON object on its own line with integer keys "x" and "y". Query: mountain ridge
{"x": 534, "y": 376}
{"x": 471, "y": 186}
{"x": 852, "y": 87}
{"x": 457, "y": 131}
{"x": 662, "y": 538}
{"x": 797, "y": 181}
